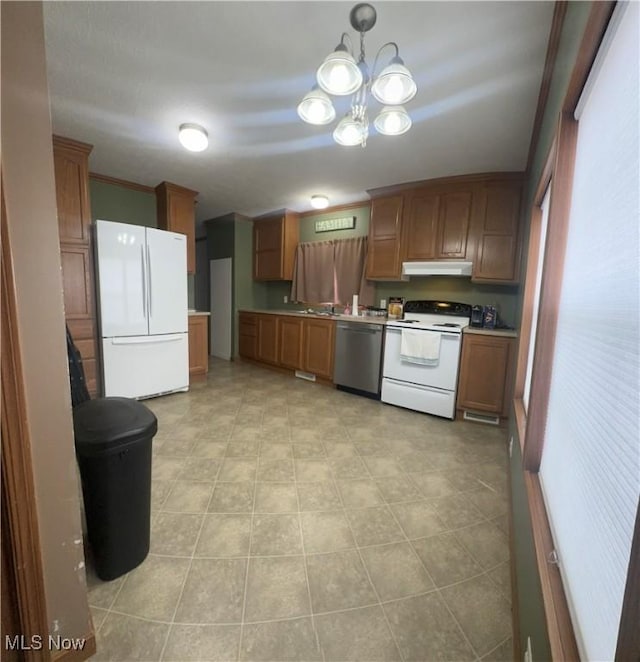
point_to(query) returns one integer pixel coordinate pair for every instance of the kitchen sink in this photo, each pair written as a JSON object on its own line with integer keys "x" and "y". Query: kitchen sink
{"x": 321, "y": 313}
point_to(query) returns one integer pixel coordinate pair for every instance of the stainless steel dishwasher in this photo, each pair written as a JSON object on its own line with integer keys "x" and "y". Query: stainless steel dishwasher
{"x": 358, "y": 356}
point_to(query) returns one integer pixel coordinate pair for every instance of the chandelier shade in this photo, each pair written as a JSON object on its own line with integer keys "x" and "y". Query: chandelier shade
{"x": 392, "y": 121}
{"x": 316, "y": 107}
{"x": 340, "y": 74}
{"x": 394, "y": 85}
{"x": 350, "y": 131}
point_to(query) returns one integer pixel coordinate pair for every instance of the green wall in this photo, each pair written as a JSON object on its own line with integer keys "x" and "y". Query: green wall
{"x": 308, "y": 230}
{"x": 530, "y": 604}
{"x": 505, "y": 297}
{"x": 112, "y": 202}
{"x": 220, "y": 237}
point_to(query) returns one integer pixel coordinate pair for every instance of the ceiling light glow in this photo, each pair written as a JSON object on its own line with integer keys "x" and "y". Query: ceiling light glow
{"x": 193, "y": 137}
{"x": 319, "y": 201}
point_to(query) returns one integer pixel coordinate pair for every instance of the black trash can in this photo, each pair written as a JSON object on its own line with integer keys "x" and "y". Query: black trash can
{"x": 113, "y": 446}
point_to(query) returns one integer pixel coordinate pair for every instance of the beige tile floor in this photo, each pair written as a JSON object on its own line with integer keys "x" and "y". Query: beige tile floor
{"x": 292, "y": 521}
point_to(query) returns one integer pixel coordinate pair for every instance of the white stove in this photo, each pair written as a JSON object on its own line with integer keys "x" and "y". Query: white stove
{"x": 422, "y": 356}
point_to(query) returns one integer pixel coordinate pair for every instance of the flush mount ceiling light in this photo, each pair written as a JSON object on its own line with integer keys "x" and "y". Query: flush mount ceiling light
{"x": 340, "y": 75}
{"x": 193, "y": 137}
{"x": 319, "y": 201}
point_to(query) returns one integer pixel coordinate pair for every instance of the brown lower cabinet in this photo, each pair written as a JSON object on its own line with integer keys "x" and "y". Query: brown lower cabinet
{"x": 290, "y": 335}
{"x": 268, "y": 339}
{"x": 289, "y": 342}
{"x": 248, "y": 335}
{"x": 486, "y": 374}
{"x": 198, "y": 346}
{"x": 318, "y": 346}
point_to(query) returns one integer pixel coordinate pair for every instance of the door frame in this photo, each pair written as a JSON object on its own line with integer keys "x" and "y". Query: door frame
{"x": 22, "y": 545}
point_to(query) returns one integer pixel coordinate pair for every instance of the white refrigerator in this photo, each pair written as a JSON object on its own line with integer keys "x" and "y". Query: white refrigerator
{"x": 142, "y": 294}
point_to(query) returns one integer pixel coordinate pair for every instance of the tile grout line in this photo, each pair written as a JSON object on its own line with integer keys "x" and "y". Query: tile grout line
{"x": 387, "y": 504}
{"x": 364, "y": 565}
{"x": 304, "y": 555}
{"x": 246, "y": 574}
{"x": 439, "y": 593}
{"x": 186, "y": 575}
{"x": 504, "y": 641}
{"x": 297, "y": 618}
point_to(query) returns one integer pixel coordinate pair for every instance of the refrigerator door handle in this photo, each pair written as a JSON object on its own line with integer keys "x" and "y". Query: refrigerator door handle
{"x": 144, "y": 283}
{"x": 144, "y": 340}
{"x": 150, "y": 288}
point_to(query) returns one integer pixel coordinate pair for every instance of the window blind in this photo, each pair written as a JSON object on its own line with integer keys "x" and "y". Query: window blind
{"x": 590, "y": 471}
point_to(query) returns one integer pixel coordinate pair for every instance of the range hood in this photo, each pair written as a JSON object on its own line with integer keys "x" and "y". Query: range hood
{"x": 437, "y": 268}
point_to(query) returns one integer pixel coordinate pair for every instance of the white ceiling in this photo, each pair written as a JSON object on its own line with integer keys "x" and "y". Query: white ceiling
{"x": 124, "y": 75}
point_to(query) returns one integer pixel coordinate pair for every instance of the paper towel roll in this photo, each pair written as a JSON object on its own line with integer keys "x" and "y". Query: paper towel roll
{"x": 354, "y": 305}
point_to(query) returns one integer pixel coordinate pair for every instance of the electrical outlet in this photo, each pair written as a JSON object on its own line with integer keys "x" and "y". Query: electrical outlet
{"x": 286, "y": 299}
{"x": 511, "y": 446}
{"x": 528, "y": 655}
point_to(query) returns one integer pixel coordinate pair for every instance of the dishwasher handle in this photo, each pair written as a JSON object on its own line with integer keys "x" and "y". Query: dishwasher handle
{"x": 359, "y": 327}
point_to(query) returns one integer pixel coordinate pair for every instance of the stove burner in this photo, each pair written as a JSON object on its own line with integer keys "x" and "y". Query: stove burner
{"x": 457, "y": 326}
{"x": 408, "y": 321}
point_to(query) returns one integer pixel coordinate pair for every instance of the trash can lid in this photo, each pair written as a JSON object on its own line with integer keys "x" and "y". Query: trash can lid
{"x": 105, "y": 425}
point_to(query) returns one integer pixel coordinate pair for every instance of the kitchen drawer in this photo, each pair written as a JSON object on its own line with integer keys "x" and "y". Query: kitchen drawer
{"x": 248, "y": 328}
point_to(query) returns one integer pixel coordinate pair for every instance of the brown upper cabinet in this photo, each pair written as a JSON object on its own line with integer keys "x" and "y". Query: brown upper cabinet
{"x": 385, "y": 233}
{"x": 473, "y": 217}
{"x": 71, "y": 166}
{"x": 275, "y": 239}
{"x": 176, "y": 212}
{"x": 436, "y": 224}
{"x": 497, "y": 232}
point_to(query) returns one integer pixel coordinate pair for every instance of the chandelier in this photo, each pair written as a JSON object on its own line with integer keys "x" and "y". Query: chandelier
{"x": 341, "y": 75}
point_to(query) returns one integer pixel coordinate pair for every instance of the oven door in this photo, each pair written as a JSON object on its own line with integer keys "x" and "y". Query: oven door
{"x": 444, "y": 375}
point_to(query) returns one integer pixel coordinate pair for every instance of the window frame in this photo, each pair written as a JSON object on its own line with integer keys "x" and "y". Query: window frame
{"x": 558, "y": 174}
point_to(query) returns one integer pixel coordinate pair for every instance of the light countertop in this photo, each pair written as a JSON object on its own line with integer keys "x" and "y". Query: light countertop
{"x": 505, "y": 333}
{"x": 338, "y": 318}
{"x": 194, "y": 313}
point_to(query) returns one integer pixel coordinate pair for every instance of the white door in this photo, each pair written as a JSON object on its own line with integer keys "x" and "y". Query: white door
{"x": 166, "y": 256}
{"x": 122, "y": 279}
{"x": 221, "y": 307}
